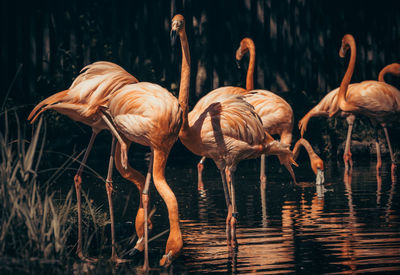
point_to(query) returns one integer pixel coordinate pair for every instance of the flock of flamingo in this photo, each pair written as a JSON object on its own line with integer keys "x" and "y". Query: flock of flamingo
{"x": 228, "y": 125}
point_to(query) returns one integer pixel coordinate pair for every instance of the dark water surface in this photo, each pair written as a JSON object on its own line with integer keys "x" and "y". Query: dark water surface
{"x": 351, "y": 227}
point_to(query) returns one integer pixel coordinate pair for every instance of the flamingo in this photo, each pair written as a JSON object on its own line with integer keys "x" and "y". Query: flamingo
{"x": 317, "y": 164}
{"x": 150, "y": 115}
{"x": 276, "y": 114}
{"x": 224, "y": 127}
{"x": 85, "y": 101}
{"x": 328, "y": 107}
{"x": 377, "y": 100}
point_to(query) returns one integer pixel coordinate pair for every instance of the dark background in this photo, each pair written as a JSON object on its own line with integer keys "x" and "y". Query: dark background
{"x": 44, "y": 44}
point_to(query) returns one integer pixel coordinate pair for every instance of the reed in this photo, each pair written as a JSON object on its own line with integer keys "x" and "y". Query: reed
{"x": 37, "y": 223}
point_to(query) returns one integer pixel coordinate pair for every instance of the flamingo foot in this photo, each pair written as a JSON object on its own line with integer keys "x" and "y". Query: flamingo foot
{"x": 118, "y": 260}
{"x": 85, "y": 258}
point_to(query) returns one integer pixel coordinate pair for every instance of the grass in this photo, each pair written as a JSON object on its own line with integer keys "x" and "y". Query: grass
{"x": 37, "y": 224}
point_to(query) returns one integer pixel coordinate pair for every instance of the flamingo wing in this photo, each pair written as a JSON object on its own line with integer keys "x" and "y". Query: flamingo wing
{"x": 146, "y": 113}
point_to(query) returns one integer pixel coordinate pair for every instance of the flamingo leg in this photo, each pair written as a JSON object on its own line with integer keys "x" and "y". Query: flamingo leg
{"x": 228, "y": 205}
{"x": 200, "y": 167}
{"x": 139, "y": 180}
{"x": 109, "y": 189}
{"x": 263, "y": 177}
{"x": 225, "y": 186}
{"x": 78, "y": 183}
{"x": 145, "y": 195}
{"x": 174, "y": 242}
{"x": 347, "y": 154}
{"x": 233, "y": 220}
{"x": 390, "y": 147}
{"x": 378, "y": 151}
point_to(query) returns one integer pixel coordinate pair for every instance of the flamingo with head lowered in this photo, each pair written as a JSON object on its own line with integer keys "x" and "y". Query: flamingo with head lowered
{"x": 317, "y": 164}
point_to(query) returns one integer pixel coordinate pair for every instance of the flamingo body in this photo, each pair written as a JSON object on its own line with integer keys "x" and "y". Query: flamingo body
{"x": 147, "y": 114}
{"x": 375, "y": 99}
{"x": 275, "y": 113}
{"x": 227, "y": 130}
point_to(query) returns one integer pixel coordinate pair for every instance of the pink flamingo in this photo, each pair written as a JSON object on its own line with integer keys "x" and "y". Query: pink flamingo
{"x": 275, "y": 113}
{"x": 328, "y": 106}
{"x": 224, "y": 127}
{"x": 379, "y": 101}
{"x": 148, "y": 114}
{"x": 85, "y": 101}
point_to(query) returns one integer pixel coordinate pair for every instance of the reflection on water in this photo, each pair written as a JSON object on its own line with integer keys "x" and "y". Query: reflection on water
{"x": 352, "y": 226}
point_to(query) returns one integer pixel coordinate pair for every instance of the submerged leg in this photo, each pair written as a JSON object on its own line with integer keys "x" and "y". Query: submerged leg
{"x": 390, "y": 147}
{"x": 347, "y": 154}
{"x": 233, "y": 221}
{"x": 146, "y": 216}
{"x": 263, "y": 177}
{"x": 78, "y": 183}
{"x": 109, "y": 189}
{"x": 174, "y": 242}
{"x": 200, "y": 167}
{"x": 378, "y": 151}
{"x": 228, "y": 205}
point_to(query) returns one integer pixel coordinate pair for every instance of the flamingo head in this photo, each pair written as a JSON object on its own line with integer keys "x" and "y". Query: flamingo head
{"x": 317, "y": 166}
{"x": 177, "y": 26}
{"x": 244, "y": 47}
{"x": 347, "y": 39}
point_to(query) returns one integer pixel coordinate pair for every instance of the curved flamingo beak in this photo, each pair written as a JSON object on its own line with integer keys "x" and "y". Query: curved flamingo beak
{"x": 320, "y": 178}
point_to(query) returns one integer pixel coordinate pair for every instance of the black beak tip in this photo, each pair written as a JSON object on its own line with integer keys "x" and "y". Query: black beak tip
{"x": 238, "y": 64}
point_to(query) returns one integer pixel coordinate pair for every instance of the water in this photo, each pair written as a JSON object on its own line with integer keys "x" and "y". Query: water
{"x": 351, "y": 227}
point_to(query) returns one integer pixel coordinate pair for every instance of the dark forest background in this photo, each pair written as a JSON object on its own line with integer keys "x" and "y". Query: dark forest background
{"x": 44, "y": 44}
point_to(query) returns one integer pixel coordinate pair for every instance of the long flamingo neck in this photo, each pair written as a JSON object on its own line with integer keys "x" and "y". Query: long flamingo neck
{"x": 250, "y": 70}
{"x": 348, "y": 41}
{"x": 382, "y": 74}
{"x": 303, "y": 142}
{"x": 393, "y": 69}
{"x": 185, "y": 78}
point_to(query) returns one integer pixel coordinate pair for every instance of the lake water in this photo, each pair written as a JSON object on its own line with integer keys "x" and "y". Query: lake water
{"x": 351, "y": 227}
